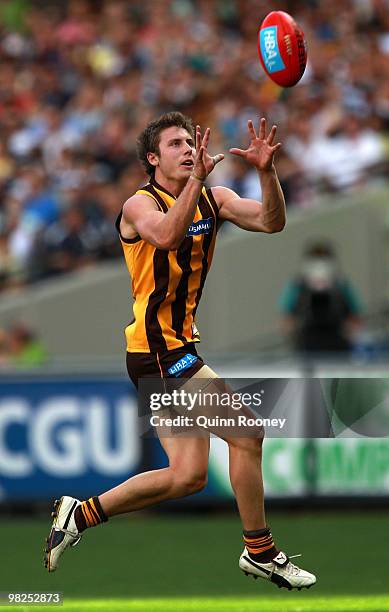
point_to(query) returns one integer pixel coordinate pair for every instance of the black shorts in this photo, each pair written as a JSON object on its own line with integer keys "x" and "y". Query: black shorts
{"x": 182, "y": 362}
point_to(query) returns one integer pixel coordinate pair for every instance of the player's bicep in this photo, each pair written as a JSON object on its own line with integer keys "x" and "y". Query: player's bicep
{"x": 142, "y": 216}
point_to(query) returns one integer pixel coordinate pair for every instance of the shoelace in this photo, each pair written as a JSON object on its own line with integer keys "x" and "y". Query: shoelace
{"x": 291, "y": 568}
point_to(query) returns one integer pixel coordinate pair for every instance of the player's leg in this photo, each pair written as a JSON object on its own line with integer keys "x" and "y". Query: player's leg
{"x": 260, "y": 557}
{"x": 186, "y": 474}
{"x": 245, "y": 453}
{"x": 245, "y": 470}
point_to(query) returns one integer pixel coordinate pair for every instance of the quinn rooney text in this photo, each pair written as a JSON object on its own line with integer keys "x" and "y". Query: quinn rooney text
{"x": 204, "y": 421}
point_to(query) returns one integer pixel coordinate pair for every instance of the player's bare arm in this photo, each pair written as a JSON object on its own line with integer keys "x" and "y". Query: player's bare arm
{"x": 166, "y": 231}
{"x": 269, "y": 215}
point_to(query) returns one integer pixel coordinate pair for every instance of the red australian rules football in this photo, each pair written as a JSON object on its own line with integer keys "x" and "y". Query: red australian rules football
{"x": 282, "y": 48}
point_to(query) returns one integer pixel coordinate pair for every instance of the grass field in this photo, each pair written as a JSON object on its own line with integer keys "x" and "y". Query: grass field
{"x": 337, "y": 604}
{"x": 152, "y": 563}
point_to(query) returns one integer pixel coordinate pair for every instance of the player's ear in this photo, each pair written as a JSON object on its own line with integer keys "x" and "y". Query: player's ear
{"x": 152, "y": 158}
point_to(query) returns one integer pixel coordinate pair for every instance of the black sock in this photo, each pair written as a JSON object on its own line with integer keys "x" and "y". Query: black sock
{"x": 89, "y": 514}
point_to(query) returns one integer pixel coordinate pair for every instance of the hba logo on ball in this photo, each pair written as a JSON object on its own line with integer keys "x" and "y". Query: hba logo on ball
{"x": 269, "y": 49}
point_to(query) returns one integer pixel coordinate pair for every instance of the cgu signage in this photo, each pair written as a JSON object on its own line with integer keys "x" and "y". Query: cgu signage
{"x": 82, "y": 435}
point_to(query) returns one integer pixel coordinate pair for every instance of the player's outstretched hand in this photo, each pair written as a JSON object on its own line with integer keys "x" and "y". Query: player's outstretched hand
{"x": 261, "y": 150}
{"x": 204, "y": 163}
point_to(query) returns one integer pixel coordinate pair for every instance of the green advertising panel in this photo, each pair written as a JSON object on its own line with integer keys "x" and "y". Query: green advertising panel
{"x": 296, "y": 467}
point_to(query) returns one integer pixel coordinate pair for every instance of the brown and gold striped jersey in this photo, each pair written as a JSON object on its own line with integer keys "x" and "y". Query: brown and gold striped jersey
{"x": 167, "y": 285}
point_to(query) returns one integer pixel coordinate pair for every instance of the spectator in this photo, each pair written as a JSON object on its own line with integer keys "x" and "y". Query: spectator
{"x": 330, "y": 160}
{"x": 41, "y": 204}
{"x": 25, "y": 348}
{"x": 10, "y": 273}
{"x": 320, "y": 308}
{"x": 5, "y": 357}
{"x": 71, "y": 243}
{"x": 108, "y": 245}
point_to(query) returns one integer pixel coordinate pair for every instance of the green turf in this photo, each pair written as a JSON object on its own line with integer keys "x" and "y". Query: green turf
{"x": 196, "y": 556}
{"x": 275, "y": 604}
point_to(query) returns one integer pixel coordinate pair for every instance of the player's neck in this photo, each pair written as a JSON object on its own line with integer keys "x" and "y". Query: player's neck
{"x": 171, "y": 185}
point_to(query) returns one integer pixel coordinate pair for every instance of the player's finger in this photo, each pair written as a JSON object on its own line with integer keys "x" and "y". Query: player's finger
{"x": 262, "y": 128}
{"x": 202, "y": 153}
{"x": 199, "y": 154}
{"x": 276, "y": 147}
{"x": 272, "y": 134}
{"x": 206, "y": 137}
{"x": 240, "y": 152}
{"x": 217, "y": 158}
{"x": 198, "y": 137}
{"x": 253, "y": 133}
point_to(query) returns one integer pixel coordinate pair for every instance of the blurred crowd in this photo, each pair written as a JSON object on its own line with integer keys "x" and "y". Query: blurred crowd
{"x": 79, "y": 79}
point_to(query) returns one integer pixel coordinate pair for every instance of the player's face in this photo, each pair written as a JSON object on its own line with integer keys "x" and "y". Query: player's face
{"x": 177, "y": 153}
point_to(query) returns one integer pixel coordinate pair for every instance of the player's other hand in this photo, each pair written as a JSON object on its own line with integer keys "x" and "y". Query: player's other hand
{"x": 204, "y": 163}
{"x": 261, "y": 150}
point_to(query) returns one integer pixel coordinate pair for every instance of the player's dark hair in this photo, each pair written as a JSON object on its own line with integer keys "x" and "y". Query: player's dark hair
{"x": 148, "y": 141}
{"x": 320, "y": 249}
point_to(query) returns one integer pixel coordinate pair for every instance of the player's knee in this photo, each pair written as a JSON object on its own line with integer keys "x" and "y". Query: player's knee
{"x": 253, "y": 446}
{"x": 249, "y": 445}
{"x": 187, "y": 483}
